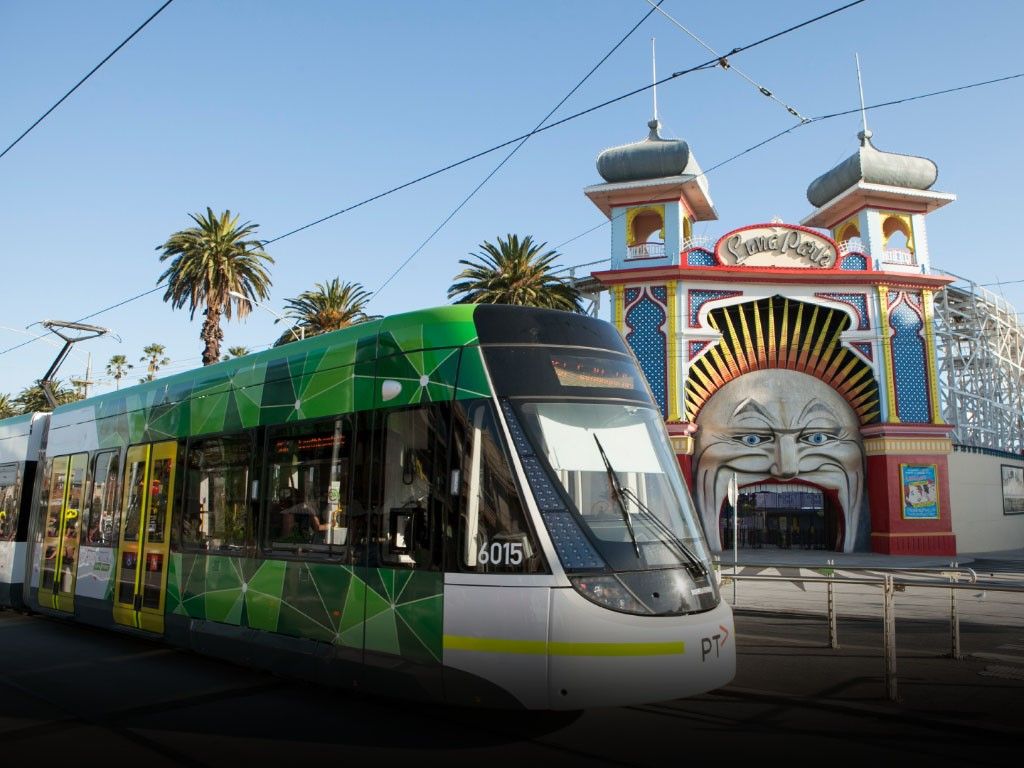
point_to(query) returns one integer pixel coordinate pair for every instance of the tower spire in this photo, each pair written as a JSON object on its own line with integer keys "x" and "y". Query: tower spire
{"x": 654, "y": 80}
{"x": 865, "y": 133}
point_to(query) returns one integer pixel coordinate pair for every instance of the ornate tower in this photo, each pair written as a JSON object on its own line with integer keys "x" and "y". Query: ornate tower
{"x": 875, "y": 203}
{"x": 653, "y": 193}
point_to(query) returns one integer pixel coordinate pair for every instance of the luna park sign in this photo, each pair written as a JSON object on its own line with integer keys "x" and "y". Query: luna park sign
{"x": 782, "y": 245}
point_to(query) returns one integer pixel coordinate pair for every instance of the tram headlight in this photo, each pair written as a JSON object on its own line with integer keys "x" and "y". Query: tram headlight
{"x": 665, "y": 592}
{"x": 609, "y": 592}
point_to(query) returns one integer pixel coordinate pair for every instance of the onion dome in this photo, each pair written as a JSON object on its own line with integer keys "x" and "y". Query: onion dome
{"x": 652, "y": 158}
{"x": 874, "y": 167}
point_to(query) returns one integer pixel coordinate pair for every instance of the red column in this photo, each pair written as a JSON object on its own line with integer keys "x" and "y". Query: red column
{"x": 908, "y": 489}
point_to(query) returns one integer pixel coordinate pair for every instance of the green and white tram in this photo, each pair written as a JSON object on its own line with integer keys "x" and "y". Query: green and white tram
{"x": 472, "y": 504}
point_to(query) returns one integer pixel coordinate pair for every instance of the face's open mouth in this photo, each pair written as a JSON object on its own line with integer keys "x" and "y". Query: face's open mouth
{"x": 810, "y": 512}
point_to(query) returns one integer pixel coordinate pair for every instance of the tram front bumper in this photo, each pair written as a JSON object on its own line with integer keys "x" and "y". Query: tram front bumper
{"x": 599, "y": 657}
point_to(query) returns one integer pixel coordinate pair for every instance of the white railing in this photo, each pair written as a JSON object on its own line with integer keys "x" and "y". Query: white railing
{"x": 697, "y": 241}
{"x": 853, "y": 245}
{"x": 900, "y": 256}
{"x": 646, "y": 251}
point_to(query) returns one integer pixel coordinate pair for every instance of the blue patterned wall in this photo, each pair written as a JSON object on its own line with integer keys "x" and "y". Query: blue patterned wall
{"x": 909, "y": 363}
{"x": 645, "y": 320}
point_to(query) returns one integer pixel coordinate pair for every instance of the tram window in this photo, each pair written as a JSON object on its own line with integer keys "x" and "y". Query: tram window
{"x": 492, "y": 535}
{"x": 308, "y": 487}
{"x": 415, "y": 487}
{"x": 8, "y": 501}
{"x": 132, "y": 497}
{"x": 101, "y": 517}
{"x": 216, "y": 511}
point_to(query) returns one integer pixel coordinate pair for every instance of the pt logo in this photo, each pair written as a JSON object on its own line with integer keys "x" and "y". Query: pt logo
{"x": 715, "y": 643}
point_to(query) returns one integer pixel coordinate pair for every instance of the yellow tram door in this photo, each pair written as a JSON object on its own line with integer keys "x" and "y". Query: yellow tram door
{"x": 141, "y": 580}
{"x": 59, "y": 553}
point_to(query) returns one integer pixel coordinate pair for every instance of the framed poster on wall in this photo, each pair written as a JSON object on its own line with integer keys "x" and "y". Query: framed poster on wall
{"x": 920, "y": 491}
{"x": 1013, "y": 489}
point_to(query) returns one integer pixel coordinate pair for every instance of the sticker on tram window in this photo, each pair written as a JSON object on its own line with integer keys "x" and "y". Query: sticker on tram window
{"x": 501, "y": 553}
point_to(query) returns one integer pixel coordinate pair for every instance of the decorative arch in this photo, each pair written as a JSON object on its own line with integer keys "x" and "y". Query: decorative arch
{"x": 778, "y": 332}
{"x": 847, "y": 230}
{"x": 642, "y": 222}
{"x": 897, "y": 222}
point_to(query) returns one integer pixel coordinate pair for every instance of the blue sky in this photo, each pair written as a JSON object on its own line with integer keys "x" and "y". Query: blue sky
{"x": 287, "y": 112}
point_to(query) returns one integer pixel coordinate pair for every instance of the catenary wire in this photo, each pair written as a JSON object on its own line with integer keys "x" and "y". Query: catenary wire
{"x": 724, "y": 62}
{"x": 515, "y": 149}
{"x": 90, "y": 74}
{"x": 710, "y": 64}
{"x": 762, "y": 143}
{"x": 706, "y": 65}
{"x": 718, "y": 165}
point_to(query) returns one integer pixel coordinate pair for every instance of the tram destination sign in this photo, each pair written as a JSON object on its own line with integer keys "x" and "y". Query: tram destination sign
{"x": 776, "y": 245}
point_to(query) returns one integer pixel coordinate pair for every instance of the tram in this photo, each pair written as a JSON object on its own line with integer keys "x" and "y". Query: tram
{"x": 469, "y": 504}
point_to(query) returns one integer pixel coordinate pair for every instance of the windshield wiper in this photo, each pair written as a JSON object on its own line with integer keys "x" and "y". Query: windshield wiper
{"x": 669, "y": 536}
{"x": 618, "y": 494}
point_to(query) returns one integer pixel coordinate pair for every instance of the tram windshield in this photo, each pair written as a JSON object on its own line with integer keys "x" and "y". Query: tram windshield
{"x": 614, "y": 463}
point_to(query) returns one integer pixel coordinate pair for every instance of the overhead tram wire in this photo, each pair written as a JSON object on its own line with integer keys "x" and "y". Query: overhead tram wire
{"x": 809, "y": 121}
{"x": 90, "y": 74}
{"x": 780, "y": 134}
{"x": 710, "y": 64}
{"x": 515, "y": 149}
{"x": 724, "y": 62}
{"x": 704, "y": 66}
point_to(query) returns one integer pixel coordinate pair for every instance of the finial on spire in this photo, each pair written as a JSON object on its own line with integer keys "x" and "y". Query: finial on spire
{"x": 865, "y": 133}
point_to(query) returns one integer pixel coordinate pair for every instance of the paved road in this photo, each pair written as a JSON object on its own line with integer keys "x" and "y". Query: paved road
{"x": 90, "y": 697}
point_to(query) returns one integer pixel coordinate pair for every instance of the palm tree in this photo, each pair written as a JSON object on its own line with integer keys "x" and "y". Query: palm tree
{"x": 32, "y": 399}
{"x": 236, "y": 352}
{"x": 328, "y": 307}
{"x": 212, "y": 261}
{"x": 514, "y": 272}
{"x": 154, "y": 356}
{"x": 7, "y": 408}
{"x": 118, "y": 367}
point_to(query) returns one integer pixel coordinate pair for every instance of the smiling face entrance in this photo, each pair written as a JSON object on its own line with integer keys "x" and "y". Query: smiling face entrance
{"x": 786, "y": 433}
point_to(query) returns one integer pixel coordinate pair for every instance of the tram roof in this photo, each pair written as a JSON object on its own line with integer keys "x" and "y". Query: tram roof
{"x": 444, "y": 326}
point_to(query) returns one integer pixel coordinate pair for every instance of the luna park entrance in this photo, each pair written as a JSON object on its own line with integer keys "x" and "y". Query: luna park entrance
{"x": 777, "y": 516}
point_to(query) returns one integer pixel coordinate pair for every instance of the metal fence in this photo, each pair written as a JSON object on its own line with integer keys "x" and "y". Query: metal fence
{"x": 890, "y": 582}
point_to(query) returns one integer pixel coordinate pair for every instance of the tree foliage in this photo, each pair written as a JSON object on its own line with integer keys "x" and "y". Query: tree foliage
{"x": 236, "y": 352}
{"x": 118, "y": 367}
{"x": 153, "y": 356}
{"x": 210, "y": 263}
{"x": 327, "y": 307}
{"x": 514, "y": 272}
{"x": 33, "y": 399}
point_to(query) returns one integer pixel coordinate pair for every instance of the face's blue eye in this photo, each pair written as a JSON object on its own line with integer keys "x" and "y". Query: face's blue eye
{"x": 817, "y": 438}
{"x": 752, "y": 440}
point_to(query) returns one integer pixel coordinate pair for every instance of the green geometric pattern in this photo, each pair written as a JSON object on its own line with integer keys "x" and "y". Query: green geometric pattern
{"x": 385, "y": 610}
{"x": 427, "y": 353}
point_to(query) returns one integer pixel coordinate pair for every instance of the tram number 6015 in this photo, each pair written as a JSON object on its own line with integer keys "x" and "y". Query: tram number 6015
{"x": 501, "y": 553}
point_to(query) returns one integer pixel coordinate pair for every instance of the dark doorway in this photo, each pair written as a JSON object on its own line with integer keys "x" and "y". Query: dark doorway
{"x": 782, "y": 516}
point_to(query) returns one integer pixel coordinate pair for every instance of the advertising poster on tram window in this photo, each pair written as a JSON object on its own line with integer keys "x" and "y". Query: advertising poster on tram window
{"x": 1013, "y": 489}
{"x": 920, "y": 491}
